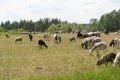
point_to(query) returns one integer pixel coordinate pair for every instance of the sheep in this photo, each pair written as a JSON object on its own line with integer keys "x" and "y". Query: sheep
{"x": 72, "y": 39}
{"x": 104, "y": 59}
{"x": 57, "y": 38}
{"x": 99, "y": 45}
{"x": 7, "y": 35}
{"x": 87, "y": 42}
{"x": 117, "y": 33}
{"x": 97, "y": 34}
{"x": 46, "y": 36}
{"x": 18, "y": 39}
{"x": 117, "y": 60}
{"x": 89, "y": 34}
{"x": 90, "y": 41}
{"x": 79, "y": 35}
{"x": 115, "y": 42}
{"x": 30, "y": 36}
{"x": 38, "y": 36}
{"x": 96, "y": 39}
{"x": 41, "y": 43}
{"x": 106, "y": 31}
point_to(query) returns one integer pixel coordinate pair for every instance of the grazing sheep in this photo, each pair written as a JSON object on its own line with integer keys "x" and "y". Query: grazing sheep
{"x": 104, "y": 59}
{"x": 57, "y": 38}
{"x": 90, "y": 41}
{"x": 7, "y": 35}
{"x": 106, "y": 31}
{"x": 87, "y": 42}
{"x": 89, "y": 34}
{"x": 117, "y": 59}
{"x": 79, "y": 35}
{"x": 72, "y": 39}
{"x": 30, "y": 36}
{"x": 18, "y": 39}
{"x": 38, "y": 36}
{"x": 46, "y": 36}
{"x": 117, "y": 33}
{"x": 99, "y": 45}
{"x": 41, "y": 43}
{"x": 115, "y": 42}
{"x": 97, "y": 34}
{"x": 96, "y": 39}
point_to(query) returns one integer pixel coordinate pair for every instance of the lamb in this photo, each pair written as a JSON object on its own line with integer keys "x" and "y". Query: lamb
{"x": 7, "y": 35}
{"x": 99, "y": 45}
{"x": 72, "y": 39}
{"x": 104, "y": 59}
{"x": 117, "y": 59}
{"x": 41, "y": 43}
{"x": 18, "y": 39}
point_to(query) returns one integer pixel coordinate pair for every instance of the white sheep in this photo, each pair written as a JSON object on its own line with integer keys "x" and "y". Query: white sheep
{"x": 99, "y": 45}
{"x": 90, "y": 41}
{"x": 18, "y": 39}
{"x": 117, "y": 59}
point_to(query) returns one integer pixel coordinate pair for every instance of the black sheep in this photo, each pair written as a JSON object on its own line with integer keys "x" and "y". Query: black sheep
{"x": 41, "y": 43}
{"x": 106, "y": 58}
{"x": 72, "y": 39}
{"x": 30, "y": 37}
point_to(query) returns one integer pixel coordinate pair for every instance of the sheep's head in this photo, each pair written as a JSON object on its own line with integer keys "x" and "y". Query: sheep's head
{"x": 99, "y": 62}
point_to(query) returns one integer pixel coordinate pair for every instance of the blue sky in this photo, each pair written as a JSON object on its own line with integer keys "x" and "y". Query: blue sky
{"x": 80, "y": 11}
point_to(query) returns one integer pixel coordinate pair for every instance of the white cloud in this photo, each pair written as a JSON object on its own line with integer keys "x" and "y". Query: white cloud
{"x": 71, "y": 10}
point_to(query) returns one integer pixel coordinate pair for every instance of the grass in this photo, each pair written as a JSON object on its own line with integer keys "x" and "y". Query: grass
{"x": 108, "y": 73}
{"x": 25, "y": 61}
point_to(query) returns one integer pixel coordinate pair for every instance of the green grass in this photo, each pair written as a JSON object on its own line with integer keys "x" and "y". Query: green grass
{"x": 107, "y": 73}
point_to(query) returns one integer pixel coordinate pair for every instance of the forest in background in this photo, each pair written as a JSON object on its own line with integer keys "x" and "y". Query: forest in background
{"x": 109, "y": 21}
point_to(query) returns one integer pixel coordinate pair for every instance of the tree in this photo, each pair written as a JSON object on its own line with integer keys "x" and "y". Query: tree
{"x": 53, "y": 28}
{"x": 110, "y": 21}
{"x": 93, "y": 24}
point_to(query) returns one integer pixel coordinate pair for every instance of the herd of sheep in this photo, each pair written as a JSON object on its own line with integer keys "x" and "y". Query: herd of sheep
{"x": 91, "y": 41}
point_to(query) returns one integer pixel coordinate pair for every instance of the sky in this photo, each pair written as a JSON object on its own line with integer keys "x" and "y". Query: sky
{"x": 79, "y": 11}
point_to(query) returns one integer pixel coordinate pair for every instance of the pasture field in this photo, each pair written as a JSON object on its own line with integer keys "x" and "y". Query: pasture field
{"x": 25, "y": 60}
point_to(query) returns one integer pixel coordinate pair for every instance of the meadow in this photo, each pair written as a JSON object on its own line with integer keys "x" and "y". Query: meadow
{"x": 64, "y": 61}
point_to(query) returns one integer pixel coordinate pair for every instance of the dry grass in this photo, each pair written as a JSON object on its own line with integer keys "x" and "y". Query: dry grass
{"x": 26, "y": 59}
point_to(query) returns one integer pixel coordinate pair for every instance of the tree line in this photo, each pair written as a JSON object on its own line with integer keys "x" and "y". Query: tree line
{"x": 109, "y": 21}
